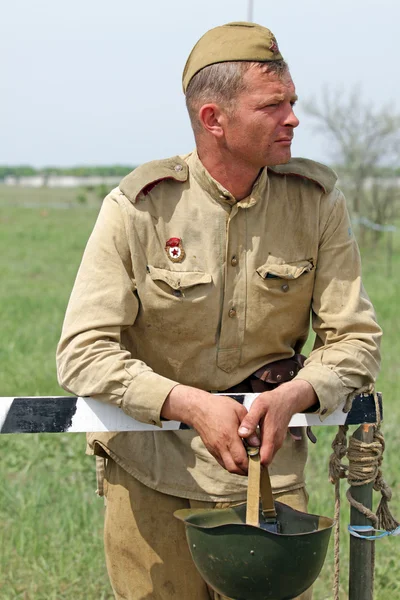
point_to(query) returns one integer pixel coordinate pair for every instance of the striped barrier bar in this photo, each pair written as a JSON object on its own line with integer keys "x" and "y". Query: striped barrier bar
{"x": 66, "y": 414}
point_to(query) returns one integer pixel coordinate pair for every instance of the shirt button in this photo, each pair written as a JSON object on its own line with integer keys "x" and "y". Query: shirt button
{"x": 178, "y": 168}
{"x": 324, "y": 411}
{"x": 285, "y": 287}
{"x": 234, "y": 261}
{"x": 232, "y": 312}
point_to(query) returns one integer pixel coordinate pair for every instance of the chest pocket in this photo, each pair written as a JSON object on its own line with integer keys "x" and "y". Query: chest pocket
{"x": 177, "y": 282}
{"x": 280, "y": 276}
{"x": 276, "y": 268}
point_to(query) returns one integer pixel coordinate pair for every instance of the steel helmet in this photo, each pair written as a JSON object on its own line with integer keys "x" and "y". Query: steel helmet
{"x": 257, "y": 562}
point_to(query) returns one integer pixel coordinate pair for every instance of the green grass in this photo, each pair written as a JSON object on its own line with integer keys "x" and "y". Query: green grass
{"x": 50, "y": 518}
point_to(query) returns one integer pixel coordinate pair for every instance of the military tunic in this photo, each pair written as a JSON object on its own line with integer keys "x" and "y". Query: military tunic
{"x": 238, "y": 293}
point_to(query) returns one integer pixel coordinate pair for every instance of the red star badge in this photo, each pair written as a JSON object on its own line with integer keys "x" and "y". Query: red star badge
{"x": 274, "y": 46}
{"x": 174, "y": 249}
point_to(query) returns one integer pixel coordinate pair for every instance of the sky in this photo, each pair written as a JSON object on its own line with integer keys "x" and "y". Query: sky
{"x": 99, "y": 82}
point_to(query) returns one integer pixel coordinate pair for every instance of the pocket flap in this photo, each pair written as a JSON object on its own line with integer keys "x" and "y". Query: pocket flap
{"x": 178, "y": 280}
{"x": 276, "y": 267}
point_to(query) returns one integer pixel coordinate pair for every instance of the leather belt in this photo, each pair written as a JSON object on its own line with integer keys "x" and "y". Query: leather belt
{"x": 269, "y": 377}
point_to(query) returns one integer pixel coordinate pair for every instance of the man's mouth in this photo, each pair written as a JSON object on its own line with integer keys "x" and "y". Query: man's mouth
{"x": 285, "y": 141}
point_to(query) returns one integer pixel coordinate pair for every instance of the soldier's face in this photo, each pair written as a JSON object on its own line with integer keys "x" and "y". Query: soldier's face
{"x": 260, "y": 128}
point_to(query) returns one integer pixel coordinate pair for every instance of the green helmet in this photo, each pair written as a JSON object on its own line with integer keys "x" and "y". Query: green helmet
{"x": 257, "y": 550}
{"x": 245, "y": 562}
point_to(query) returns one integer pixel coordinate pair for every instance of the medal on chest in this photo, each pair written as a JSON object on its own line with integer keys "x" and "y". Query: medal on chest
{"x": 174, "y": 249}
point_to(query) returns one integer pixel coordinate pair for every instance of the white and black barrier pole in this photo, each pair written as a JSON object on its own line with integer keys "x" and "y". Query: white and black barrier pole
{"x": 58, "y": 414}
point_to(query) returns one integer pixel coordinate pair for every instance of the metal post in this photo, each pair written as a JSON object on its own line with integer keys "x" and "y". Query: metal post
{"x": 250, "y": 10}
{"x": 361, "y": 576}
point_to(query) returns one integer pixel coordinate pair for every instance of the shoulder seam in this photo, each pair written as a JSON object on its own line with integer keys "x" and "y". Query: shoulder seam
{"x": 323, "y": 176}
{"x": 146, "y": 177}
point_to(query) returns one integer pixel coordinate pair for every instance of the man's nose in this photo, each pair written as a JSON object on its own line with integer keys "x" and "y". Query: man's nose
{"x": 291, "y": 119}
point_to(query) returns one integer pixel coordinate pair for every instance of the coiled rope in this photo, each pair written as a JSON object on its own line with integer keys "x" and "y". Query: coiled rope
{"x": 364, "y": 466}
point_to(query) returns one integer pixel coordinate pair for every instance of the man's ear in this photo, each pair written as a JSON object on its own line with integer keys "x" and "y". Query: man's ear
{"x": 211, "y": 118}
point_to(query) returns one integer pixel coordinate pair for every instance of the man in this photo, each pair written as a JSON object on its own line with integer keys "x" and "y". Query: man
{"x": 201, "y": 270}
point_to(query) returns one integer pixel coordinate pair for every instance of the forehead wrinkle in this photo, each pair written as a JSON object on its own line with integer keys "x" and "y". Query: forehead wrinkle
{"x": 260, "y": 90}
{"x": 277, "y": 97}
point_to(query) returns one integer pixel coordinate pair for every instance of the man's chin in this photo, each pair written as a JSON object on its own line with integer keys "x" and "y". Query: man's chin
{"x": 280, "y": 159}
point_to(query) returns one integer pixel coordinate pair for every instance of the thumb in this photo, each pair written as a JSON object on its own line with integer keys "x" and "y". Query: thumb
{"x": 248, "y": 426}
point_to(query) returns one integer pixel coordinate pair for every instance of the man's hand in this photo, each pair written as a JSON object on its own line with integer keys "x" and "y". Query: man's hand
{"x": 216, "y": 420}
{"x": 272, "y": 411}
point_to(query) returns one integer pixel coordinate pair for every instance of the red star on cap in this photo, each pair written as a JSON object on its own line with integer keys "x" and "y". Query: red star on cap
{"x": 274, "y": 47}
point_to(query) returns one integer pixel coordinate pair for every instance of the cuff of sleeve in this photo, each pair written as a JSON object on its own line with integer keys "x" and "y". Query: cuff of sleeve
{"x": 145, "y": 396}
{"x": 329, "y": 388}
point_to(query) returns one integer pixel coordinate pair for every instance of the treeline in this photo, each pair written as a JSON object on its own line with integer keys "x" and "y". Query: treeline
{"x": 374, "y": 171}
{"x": 78, "y": 171}
{"x": 121, "y": 170}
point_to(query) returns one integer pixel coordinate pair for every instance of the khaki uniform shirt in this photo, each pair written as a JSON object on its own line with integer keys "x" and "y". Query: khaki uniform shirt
{"x": 250, "y": 274}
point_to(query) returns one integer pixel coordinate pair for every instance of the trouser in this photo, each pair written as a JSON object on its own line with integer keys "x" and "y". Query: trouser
{"x": 147, "y": 555}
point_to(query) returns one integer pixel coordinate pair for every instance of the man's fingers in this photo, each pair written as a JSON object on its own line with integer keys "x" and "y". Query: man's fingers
{"x": 267, "y": 453}
{"x": 250, "y": 423}
{"x": 239, "y": 455}
{"x": 253, "y": 440}
{"x": 269, "y": 447}
{"x": 233, "y": 466}
{"x": 233, "y": 459}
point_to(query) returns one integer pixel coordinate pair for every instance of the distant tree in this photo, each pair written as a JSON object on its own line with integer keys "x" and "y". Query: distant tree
{"x": 78, "y": 171}
{"x": 365, "y": 144}
{"x": 17, "y": 171}
{"x": 101, "y": 191}
{"x": 81, "y": 197}
{"x": 98, "y": 170}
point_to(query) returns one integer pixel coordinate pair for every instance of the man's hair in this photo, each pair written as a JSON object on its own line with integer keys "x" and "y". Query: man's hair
{"x": 222, "y": 82}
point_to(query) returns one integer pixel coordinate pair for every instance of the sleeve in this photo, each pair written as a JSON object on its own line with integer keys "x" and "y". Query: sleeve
{"x": 91, "y": 361}
{"x": 345, "y": 359}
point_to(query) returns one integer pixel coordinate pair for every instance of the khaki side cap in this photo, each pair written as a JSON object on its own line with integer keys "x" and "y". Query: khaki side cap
{"x": 320, "y": 174}
{"x": 239, "y": 41}
{"x": 150, "y": 174}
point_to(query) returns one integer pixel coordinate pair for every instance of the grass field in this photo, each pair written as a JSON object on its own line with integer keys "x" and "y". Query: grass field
{"x": 50, "y": 517}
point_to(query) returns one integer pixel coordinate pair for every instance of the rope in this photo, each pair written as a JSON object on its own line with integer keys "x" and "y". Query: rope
{"x": 337, "y": 471}
{"x": 364, "y": 466}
